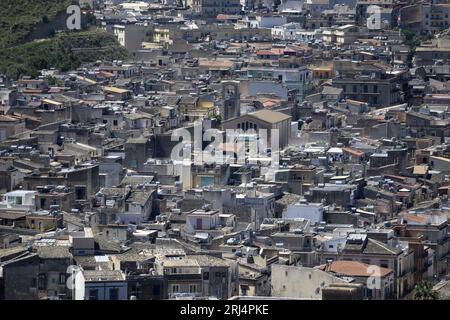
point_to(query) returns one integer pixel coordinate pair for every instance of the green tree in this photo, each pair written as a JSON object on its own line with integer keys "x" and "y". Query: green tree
{"x": 412, "y": 40}
{"x": 217, "y": 118}
{"x": 424, "y": 291}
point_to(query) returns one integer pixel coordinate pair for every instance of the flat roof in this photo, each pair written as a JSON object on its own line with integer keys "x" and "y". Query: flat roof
{"x": 115, "y": 90}
{"x": 270, "y": 116}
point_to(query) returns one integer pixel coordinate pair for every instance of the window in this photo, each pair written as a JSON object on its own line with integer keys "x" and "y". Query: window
{"x": 192, "y": 288}
{"x": 156, "y": 290}
{"x": 136, "y": 290}
{"x": 175, "y": 288}
{"x": 115, "y": 122}
{"x": 113, "y": 294}
{"x": 15, "y": 200}
{"x": 375, "y": 89}
{"x": 355, "y": 88}
{"x": 93, "y": 294}
{"x": 80, "y": 192}
{"x": 33, "y": 283}
{"x": 41, "y": 282}
{"x": 244, "y": 290}
{"x": 206, "y": 276}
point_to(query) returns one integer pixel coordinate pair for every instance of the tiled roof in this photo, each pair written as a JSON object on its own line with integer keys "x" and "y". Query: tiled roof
{"x": 353, "y": 269}
{"x": 270, "y": 116}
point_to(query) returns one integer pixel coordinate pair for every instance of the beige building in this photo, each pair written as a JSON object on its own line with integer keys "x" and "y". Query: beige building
{"x": 183, "y": 276}
{"x": 212, "y": 8}
{"x": 10, "y": 125}
{"x": 197, "y": 33}
{"x": 301, "y": 282}
{"x": 263, "y": 119}
{"x": 378, "y": 282}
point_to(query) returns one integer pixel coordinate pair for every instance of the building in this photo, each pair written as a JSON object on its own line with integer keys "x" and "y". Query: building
{"x": 200, "y": 221}
{"x": 19, "y": 200}
{"x": 263, "y": 120}
{"x": 183, "y": 276}
{"x": 231, "y": 100}
{"x": 19, "y": 277}
{"x": 10, "y": 126}
{"x": 101, "y": 285}
{"x": 286, "y": 279}
{"x": 378, "y": 283}
{"x": 400, "y": 259}
{"x": 368, "y": 82}
{"x": 211, "y": 9}
{"x": 131, "y": 36}
{"x": 425, "y": 17}
{"x": 311, "y": 211}
{"x": 294, "y": 32}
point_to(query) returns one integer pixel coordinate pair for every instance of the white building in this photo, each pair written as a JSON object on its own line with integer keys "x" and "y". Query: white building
{"x": 300, "y": 282}
{"x": 19, "y": 200}
{"x": 266, "y": 21}
{"x": 332, "y": 242}
{"x": 202, "y": 220}
{"x": 311, "y": 211}
{"x": 131, "y": 36}
{"x": 101, "y": 285}
{"x": 83, "y": 242}
{"x": 293, "y": 32}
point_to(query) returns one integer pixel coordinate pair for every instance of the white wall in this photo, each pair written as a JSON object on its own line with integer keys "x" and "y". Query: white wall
{"x": 312, "y": 212}
{"x": 103, "y": 288}
{"x": 300, "y": 282}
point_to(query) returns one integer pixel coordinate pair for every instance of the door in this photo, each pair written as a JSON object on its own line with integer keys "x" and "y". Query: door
{"x": 199, "y": 224}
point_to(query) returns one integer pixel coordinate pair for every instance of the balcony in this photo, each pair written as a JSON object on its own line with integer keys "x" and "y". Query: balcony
{"x": 183, "y": 276}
